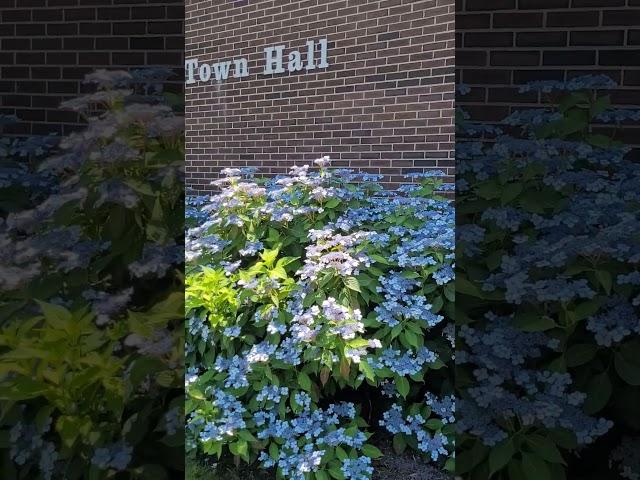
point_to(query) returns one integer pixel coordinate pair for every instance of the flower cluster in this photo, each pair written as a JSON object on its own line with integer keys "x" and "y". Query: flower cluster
{"x": 306, "y": 286}
{"x": 91, "y": 259}
{"x": 547, "y": 276}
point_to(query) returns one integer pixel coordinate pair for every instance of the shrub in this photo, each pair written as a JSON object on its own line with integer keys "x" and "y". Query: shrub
{"x": 91, "y": 290}
{"x": 305, "y": 292}
{"x": 547, "y": 288}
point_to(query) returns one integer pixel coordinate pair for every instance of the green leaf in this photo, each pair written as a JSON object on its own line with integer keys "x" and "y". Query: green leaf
{"x": 411, "y": 338}
{"x": 269, "y": 256}
{"x": 605, "y": 279}
{"x": 515, "y": 472}
{"x": 69, "y": 428}
{"x": 380, "y": 259}
{"x": 55, "y": 315}
{"x": 304, "y": 381}
{"x": 564, "y": 438}
{"x": 599, "y": 140}
{"x": 587, "y": 309}
{"x": 533, "y": 322}
{"x": 23, "y": 388}
{"x": 464, "y": 286}
{"x": 352, "y": 284}
{"x": 467, "y": 460}
{"x": 341, "y": 454}
{"x": 367, "y": 370}
{"x": 240, "y": 449}
{"x": 246, "y": 435}
{"x": 545, "y": 449}
{"x": 534, "y": 467}
{"x": 510, "y": 192}
{"x": 399, "y": 443}
{"x": 580, "y": 354}
{"x": 336, "y": 473}
{"x": 450, "y": 292}
{"x": 500, "y": 456}
{"x": 600, "y": 105}
{"x": 371, "y": 451}
{"x": 152, "y": 471}
{"x": 402, "y": 384}
{"x": 274, "y": 451}
{"x": 629, "y": 372}
{"x": 321, "y": 475}
{"x": 598, "y": 393}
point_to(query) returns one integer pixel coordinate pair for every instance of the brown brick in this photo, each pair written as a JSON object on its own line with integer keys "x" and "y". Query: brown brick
{"x": 623, "y": 17}
{"x": 45, "y": 45}
{"x": 573, "y": 19}
{"x": 548, "y": 38}
{"x": 534, "y": 4}
{"x": 517, "y": 20}
{"x": 390, "y": 65}
{"x": 598, "y": 38}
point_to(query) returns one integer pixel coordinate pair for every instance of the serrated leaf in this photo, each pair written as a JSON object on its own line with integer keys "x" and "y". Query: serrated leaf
{"x": 352, "y": 284}
{"x": 55, "y": 315}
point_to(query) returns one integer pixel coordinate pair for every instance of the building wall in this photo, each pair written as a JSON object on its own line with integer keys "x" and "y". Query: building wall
{"x": 47, "y": 46}
{"x": 504, "y": 43}
{"x": 384, "y": 105}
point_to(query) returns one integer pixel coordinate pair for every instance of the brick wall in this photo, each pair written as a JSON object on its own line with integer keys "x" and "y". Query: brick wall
{"x": 502, "y": 43}
{"x": 385, "y": 104}
{"x": 47, "y": 46}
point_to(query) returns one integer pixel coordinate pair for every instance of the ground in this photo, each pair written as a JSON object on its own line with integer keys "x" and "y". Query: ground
{"x": 389, "y": 467}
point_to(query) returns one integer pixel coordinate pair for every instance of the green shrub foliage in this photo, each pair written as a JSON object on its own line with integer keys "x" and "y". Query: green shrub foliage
{"x": 547, "y": 289}
{"x": 91, "y": 290}
{"x": 309, "y": 298}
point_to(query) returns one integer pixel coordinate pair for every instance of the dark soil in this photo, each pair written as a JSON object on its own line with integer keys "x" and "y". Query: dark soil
{"x": 390, "y": 467}
{"x": 406, "y": 467}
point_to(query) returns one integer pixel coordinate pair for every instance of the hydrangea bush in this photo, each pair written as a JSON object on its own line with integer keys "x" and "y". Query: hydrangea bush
{"x": 91, "y": 290}
{"x": 548, "y": 287}
{"x": 319, "y": 311}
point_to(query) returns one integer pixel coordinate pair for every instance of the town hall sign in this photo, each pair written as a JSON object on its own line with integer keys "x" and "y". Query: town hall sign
{"x": 275, "y": 62}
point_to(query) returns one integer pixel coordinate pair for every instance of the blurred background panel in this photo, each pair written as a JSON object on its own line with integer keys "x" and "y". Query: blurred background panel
{"x": 48, "y": 46}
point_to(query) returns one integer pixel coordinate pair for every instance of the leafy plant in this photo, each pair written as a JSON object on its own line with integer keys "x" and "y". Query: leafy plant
{"x": 305, "y": 292}
{"x": 91, "y": 290}
{"x": 547, "y": 286}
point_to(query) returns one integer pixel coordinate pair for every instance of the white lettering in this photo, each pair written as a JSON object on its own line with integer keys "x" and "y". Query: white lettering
{"x": 272, "y": 60}
{"x": 241, "y": 68}
{"x": 324, "y": 54}
{"x": 190, "y": 65}
{"x": 205, "y": 72}
{"x": 311, "y": 48}
{"x": 295, "y": 61}
{"x": 221, "y": 70}
{"x": 317, "y": 57}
